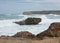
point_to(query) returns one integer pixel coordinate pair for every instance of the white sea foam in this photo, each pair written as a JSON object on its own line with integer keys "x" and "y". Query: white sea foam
{"x": 7, "y": 27}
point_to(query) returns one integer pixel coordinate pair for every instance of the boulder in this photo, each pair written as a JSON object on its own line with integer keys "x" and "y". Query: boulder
{"x": 29, "y": 21}
{"x": 52, "y": 31}
{"x": 24, "y": 34}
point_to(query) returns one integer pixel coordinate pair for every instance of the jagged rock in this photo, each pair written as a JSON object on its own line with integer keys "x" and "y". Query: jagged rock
{"x": 20, "y": 22}
{"x": 29, "y": 21}
{"x": 24, "y": 34}
{"x": 52, "y": 31}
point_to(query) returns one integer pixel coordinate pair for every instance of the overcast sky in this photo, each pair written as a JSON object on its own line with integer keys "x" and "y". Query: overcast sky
{"x": 19, "y": 6}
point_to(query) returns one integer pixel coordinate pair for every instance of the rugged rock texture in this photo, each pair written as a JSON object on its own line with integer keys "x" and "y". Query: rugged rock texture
{"x": 52, "y": 31}
{"x": 21, "y": 22}
{"x": 29, "y": 21}
{"x": 24, "y": 34}
{"x": 43, "y": 12}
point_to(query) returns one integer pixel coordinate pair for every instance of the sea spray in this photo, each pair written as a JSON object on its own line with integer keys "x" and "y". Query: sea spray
{"x": 8, "y": 27}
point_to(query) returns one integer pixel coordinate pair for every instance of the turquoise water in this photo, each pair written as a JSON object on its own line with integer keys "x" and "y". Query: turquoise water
{"x": 53, "y": 16}
{"x": 20, "y": 16}
{"x": 11, "y": 16}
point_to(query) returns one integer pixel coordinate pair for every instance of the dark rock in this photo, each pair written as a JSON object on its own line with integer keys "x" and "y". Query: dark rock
{"x": 32, "y": 21}
{"x": 24, "y": 34}
{"x": 29, "y": 21}
{"x": 20, "y": 22}
{"x": 52, "y": 31}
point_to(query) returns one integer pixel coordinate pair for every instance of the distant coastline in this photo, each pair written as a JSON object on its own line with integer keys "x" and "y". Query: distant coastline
{"x": 43, "y": 12}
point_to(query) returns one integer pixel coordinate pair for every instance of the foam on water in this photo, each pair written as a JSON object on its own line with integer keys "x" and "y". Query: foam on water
{"x": 7, "y": 27}
{"x": 12, "y": 28}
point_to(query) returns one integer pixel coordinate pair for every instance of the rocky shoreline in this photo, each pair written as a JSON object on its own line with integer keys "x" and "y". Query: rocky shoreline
{"x": 52, "y": 34}
{"x": 52, "y": 31}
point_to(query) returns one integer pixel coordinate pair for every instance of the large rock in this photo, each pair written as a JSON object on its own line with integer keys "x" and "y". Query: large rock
{"x": 24, "y": 34}
{"x": 52, "y": 31}
{"x": 29, "y": 21}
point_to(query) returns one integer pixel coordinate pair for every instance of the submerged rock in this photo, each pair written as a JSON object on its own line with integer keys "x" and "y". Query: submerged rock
{"x": 24, "y": 34}
{"x": 29, "y": 21}
{"x": 52, "y": 31}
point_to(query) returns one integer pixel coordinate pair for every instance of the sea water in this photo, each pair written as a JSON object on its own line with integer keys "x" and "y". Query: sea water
{"x": 8, "y": 27}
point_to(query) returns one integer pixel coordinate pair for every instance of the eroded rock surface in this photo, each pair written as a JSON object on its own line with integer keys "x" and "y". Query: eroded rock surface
{"x": 24, "y": 34}
{"x": 52, "y": 31}
{"x": 29, "y": 21}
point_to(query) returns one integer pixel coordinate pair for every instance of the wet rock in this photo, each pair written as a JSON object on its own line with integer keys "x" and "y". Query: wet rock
{"x": 20, "y": 22}
{"x": 24, "y": 34}
{"x": 52, "y": 31}
{"x": 29, "y": 21}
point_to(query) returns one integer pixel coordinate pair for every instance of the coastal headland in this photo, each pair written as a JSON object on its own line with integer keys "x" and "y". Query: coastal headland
{"x": 43, "y": 12}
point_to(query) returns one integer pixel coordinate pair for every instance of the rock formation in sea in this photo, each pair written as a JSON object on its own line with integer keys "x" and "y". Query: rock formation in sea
{"x": 52, "y": 31}
{"x": 42, "y": 12}
{"x": 29, "y": 21}
{"x": 24, "y": 34}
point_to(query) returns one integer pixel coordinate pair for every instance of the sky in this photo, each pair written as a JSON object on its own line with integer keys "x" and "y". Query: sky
{"x": 19, "y": 6}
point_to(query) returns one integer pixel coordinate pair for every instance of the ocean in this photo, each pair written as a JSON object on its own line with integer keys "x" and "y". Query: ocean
{"x": 8, "y": 27}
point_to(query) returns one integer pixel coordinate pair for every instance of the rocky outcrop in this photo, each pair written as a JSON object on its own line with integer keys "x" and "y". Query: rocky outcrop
{"x": 42, "y": 12}
{"x": 24, "y": 34}
{"x": 52, "y": 31}
{"x": 29, "y": 21}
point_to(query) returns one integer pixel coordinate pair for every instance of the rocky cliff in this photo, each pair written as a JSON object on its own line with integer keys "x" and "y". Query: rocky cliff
{"x": 52, "y": 31}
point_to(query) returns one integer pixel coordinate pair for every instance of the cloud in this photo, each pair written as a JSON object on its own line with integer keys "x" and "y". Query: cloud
{"x": 28, "y": 0}
{"x": 54, "y": 1}
{"x": 22, "y": 5}
{"x": 42, "y": 0}
{"x": 34, "y": 1}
